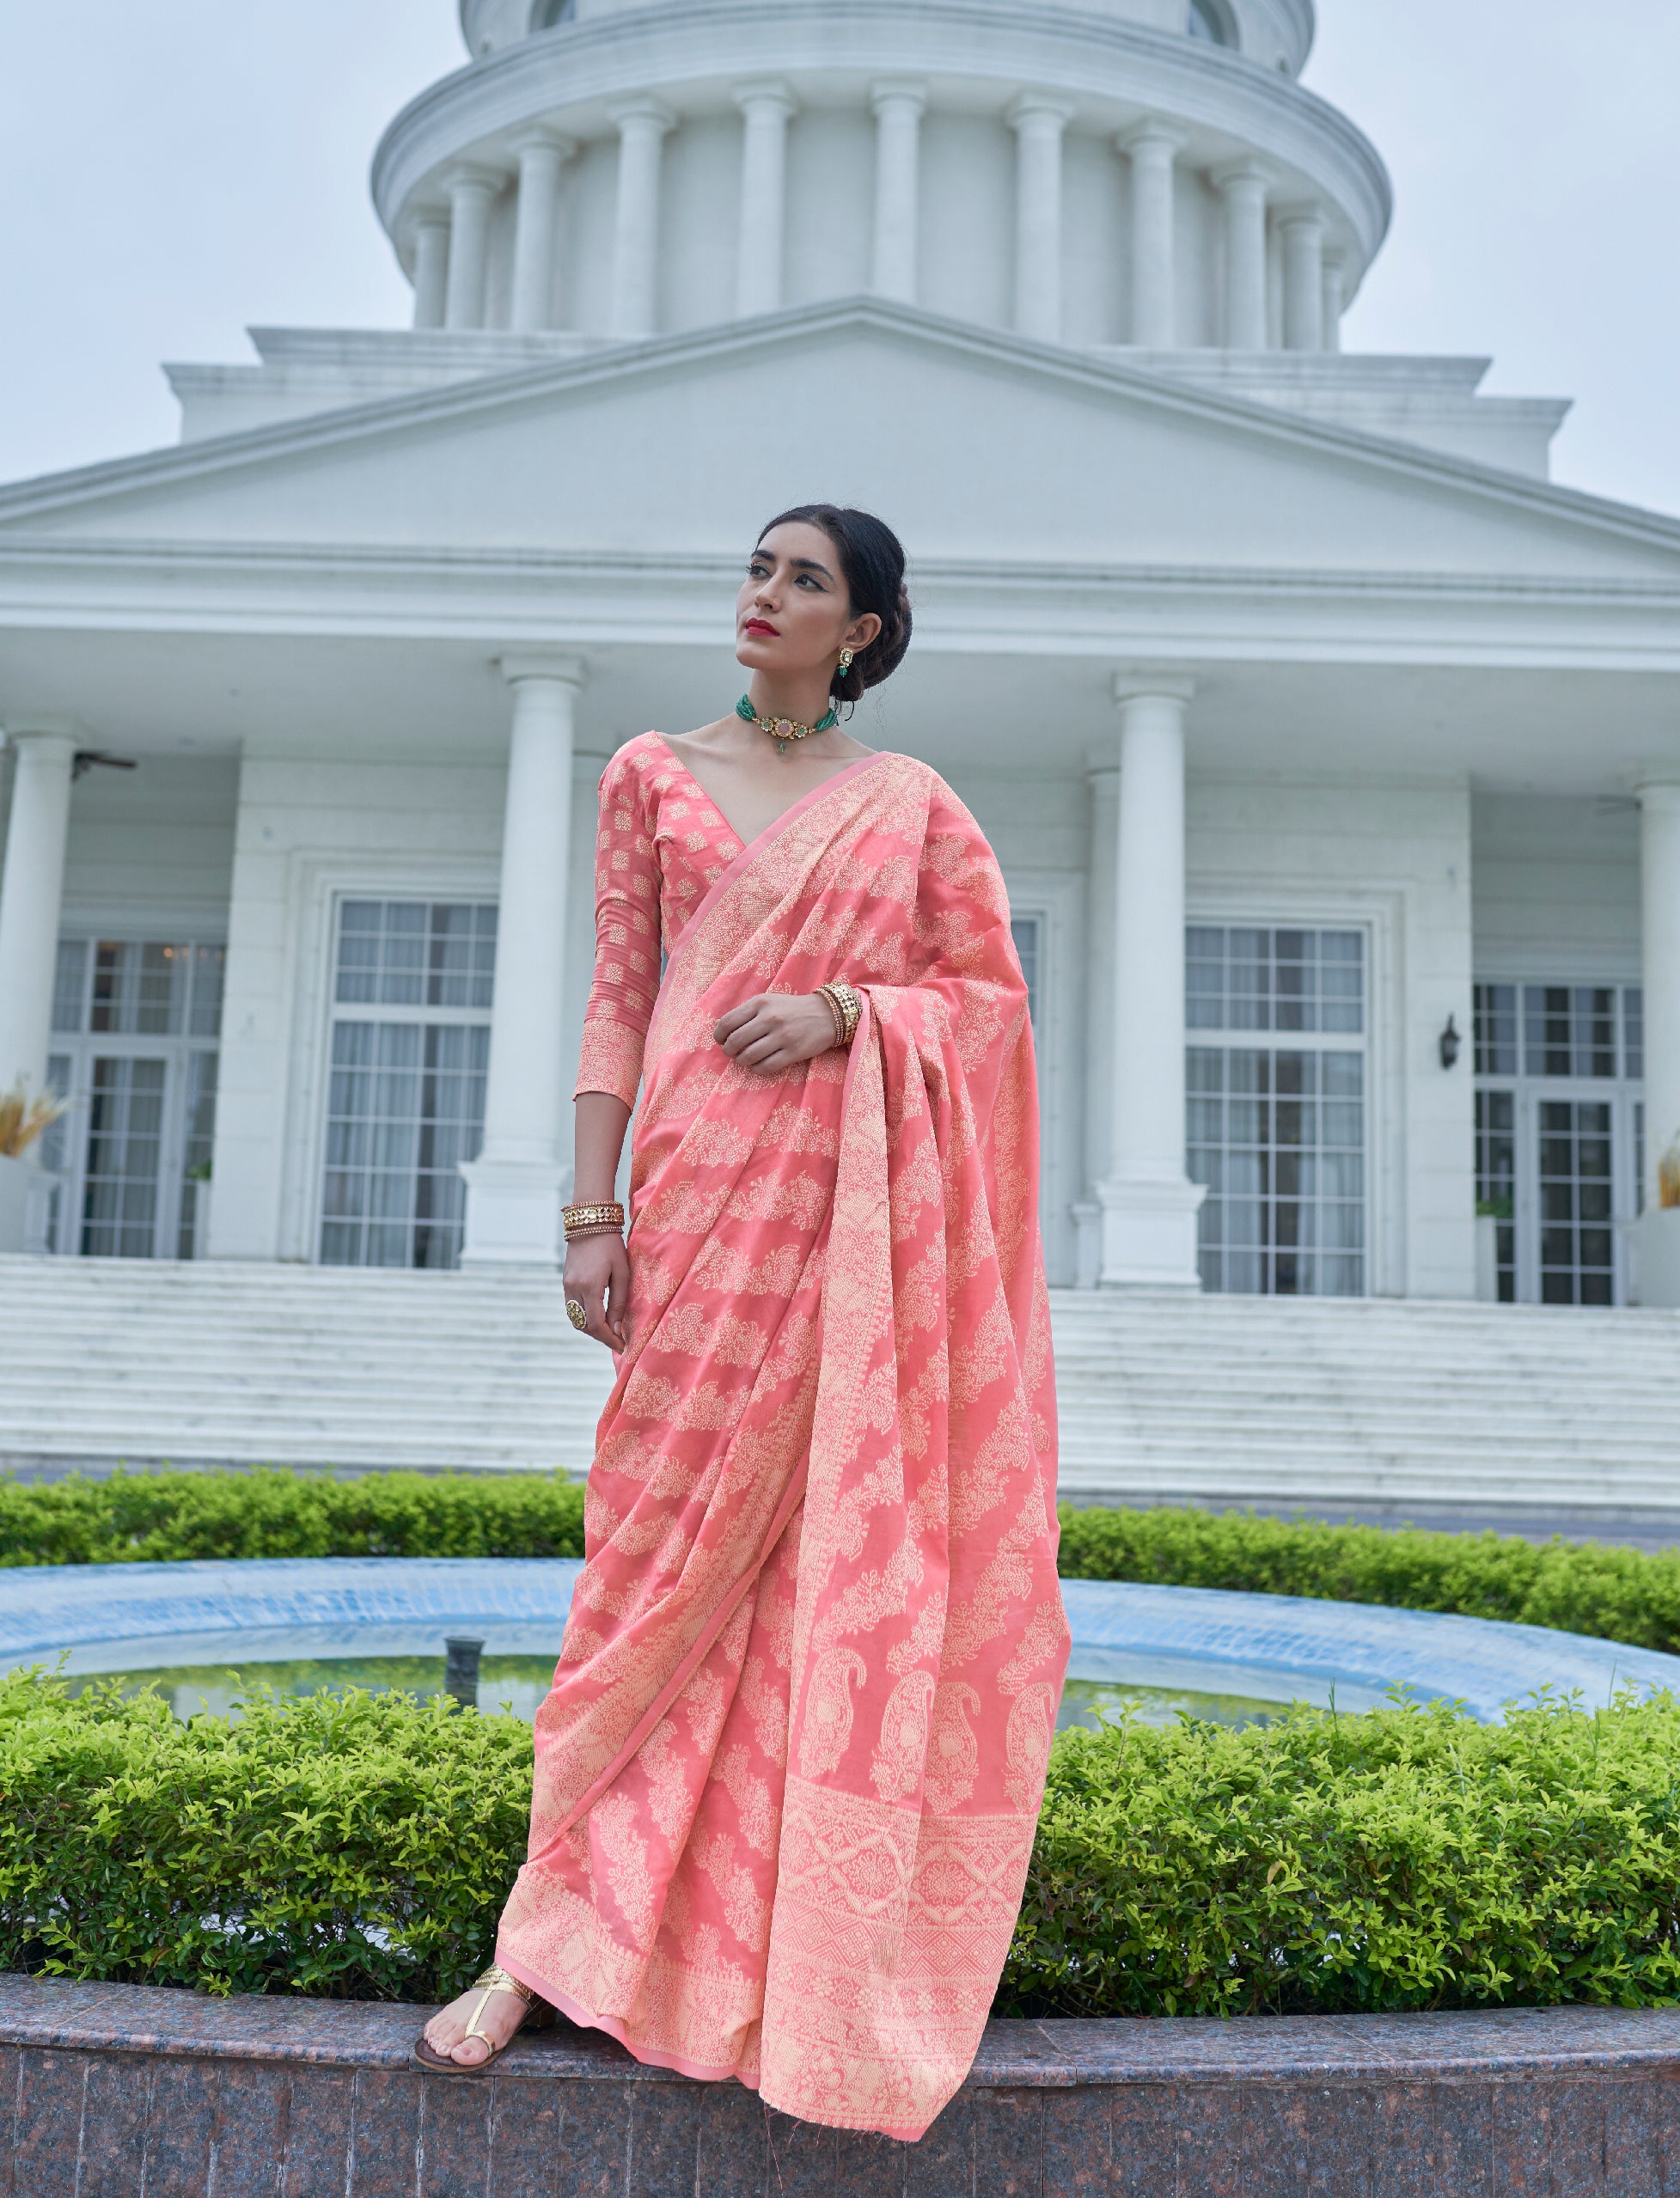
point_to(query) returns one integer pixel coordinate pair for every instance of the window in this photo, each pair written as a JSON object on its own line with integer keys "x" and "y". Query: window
{"x": 1277, "y": 1132}
{"x": 547, "y": 13}
{"x": 409, "y": 1053}
{"x": 1208, "y": 23}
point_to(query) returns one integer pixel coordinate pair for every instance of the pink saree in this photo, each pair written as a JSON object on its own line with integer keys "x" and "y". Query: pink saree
{"x": 788, "y": 1776}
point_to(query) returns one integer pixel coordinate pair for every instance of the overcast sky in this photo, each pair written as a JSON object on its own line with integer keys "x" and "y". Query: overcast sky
{"x": 175, "y": 169}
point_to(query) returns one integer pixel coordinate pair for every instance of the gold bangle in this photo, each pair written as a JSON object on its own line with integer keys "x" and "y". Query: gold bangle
{"x": 848, "y": 1005}
{"x": 588, "y": 1219}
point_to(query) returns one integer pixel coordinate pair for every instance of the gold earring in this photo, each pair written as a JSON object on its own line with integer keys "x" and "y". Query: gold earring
{"x": 846, "y": 657}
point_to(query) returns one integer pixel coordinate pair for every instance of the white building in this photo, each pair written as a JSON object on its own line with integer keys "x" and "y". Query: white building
{"x": 1228, "y": 637}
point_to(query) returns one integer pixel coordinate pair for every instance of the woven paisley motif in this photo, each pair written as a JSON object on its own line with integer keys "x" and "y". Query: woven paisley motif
{"x": 902, "y": 1750}
{"x": 1032, "y": 1723}
{"x": 826, "y": 1731}
{"x": 953, "y": 1755}
{"x": 788, "y": 1775}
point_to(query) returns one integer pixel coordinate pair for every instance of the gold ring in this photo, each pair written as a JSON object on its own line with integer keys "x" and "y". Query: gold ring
{"x": 576, "y": 1313}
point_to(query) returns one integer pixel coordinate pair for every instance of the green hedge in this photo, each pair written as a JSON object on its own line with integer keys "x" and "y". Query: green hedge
{"x": 358, "y": 1848}
{"x": 1621, "y": 1595}
{"x": 1593, "y": 1587}
{"x": 1406, "y": 1859}
{"x": 362, "y": 1847}
{"x": 163, "y": 1517}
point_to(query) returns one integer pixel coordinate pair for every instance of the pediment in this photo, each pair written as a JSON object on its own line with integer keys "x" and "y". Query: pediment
{"x": 977, "y": 447}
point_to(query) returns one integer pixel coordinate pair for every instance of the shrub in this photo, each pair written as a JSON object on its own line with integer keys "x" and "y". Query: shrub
{"x": 362, "y": 1847}
{"x": 1613, "y": 1594}
{"x": 354, "y": 1847}
{"x": 167, "y": 1516}
{"x": 1407, "y": 1859}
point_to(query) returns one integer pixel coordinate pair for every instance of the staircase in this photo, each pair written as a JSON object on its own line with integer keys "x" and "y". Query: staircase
{"x": 1437, "y": 1409}
{"x": 1368, "y": 1405}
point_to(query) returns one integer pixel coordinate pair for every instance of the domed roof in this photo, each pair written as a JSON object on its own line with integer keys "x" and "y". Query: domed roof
{"x": 1276, "y": 33}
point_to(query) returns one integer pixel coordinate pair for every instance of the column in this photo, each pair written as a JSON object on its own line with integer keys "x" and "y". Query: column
{"x": 1304, "y": 281}
{"x": 1660, "y": 917}
{"x": 473, "y": 193}
{"x": 513, "y": 1187}
{"x": 642, "y": 126}
{"x": 766, "y": 109}
{"x": 899, "y": 107}
{"x": 32, "y": 888}
{"x": 1038, "y": 122}
{"x": 1152, "y": 147}
{"x": 540, "y": 160}
{"x": 1244, "y": 189}
{"x": 1149, "y": 1204}
{"x": 432, "y": 267}
{"x": 1102, "y": 810}
{"x": 1335, "y": 299}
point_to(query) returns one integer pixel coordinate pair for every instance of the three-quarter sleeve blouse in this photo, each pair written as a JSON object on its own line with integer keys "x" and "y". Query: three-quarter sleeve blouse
{"x": 660, "y": 847}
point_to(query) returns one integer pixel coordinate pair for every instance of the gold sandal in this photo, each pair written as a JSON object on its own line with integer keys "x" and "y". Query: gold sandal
{"x": 538, "y": 2015}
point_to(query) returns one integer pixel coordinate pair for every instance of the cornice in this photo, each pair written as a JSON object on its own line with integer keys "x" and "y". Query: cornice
{"x": 334, "y": 564}
{"x": 1098, "y": 58}
{"x": 659, "y": 357}
{"x": 581, "y": 603}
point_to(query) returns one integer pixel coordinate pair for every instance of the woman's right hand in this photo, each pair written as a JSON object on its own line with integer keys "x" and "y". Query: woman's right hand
{"x": 597, "y": 1274}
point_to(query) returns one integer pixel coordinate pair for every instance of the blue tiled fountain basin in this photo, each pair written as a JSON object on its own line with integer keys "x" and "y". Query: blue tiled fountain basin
{"x": 1266, "y": 1647}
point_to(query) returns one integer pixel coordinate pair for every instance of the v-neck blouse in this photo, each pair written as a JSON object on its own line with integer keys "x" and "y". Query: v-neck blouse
{"x": 660, "y": 847}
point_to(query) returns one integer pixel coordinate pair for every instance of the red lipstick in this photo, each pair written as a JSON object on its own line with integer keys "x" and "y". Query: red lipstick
{"x": 761, "y": 625}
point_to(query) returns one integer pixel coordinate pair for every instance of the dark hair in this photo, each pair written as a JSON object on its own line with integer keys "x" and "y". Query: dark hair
{"x": 871, "y": 562}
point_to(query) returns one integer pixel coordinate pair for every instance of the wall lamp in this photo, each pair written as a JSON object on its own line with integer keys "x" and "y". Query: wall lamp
{"x": 1451, "y": 1044}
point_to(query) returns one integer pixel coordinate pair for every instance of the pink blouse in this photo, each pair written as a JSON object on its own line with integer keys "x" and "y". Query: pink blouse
{"x": 661, "y": 846}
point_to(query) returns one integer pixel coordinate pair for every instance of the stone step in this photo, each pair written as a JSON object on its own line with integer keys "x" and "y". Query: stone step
{"x": 1161, "y": 1399}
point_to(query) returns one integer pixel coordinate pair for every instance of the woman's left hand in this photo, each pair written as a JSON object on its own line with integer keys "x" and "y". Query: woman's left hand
{"x": 776, "y": 1030}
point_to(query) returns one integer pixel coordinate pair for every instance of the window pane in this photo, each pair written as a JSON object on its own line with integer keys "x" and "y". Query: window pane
{"x": 70, "y": 986}
{"x": 1025, "y": 930}
{"x": 1495, "y": 1029}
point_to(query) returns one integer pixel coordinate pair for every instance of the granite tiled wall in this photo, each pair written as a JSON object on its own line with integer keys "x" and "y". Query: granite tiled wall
{"x": 113, "y": 2091}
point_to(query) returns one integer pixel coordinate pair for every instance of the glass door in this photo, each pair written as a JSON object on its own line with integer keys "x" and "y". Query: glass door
{"x": 1574, "y": 1185}
{"x": 135, "y": 1024}
{"x": 1557, "y": 1110}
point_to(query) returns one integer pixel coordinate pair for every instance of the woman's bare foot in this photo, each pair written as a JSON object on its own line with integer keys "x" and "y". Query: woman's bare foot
{"x": 446, "y": 2032}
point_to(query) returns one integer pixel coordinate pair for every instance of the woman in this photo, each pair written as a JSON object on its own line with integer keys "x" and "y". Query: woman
{"x": 789, "y": 1773}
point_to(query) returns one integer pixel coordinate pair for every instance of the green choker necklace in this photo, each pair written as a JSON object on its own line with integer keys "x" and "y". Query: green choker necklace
{"x": 783, "y": 730}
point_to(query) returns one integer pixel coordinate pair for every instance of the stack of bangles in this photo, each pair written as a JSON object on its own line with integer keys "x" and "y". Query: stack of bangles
{"x": 846, "y": 1007}
{"x": 604, "y": 1218}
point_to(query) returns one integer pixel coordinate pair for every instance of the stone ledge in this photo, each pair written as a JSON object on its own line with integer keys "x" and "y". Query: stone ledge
{"x": 110, "y": 2089}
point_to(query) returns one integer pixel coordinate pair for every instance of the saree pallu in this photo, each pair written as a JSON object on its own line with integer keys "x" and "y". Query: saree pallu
{"x": 788, "y": 1776}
